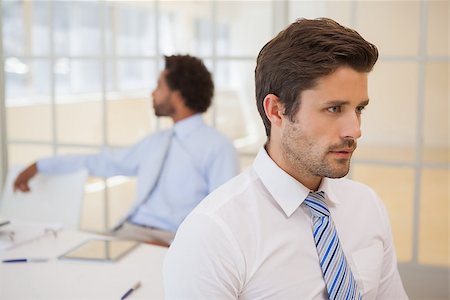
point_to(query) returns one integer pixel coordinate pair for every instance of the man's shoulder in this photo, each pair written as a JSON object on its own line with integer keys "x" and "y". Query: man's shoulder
{"x": 348, "y": 190}
{"x": 155, "y": 136}
{"x": 213, "y": 132}
{"x": 230, "y": 194}
{"x": 351, "y": 184}
{"x": 212, "y": 140}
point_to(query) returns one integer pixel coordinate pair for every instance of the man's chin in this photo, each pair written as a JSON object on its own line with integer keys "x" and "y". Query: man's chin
{"x": 336, "y": 175}
{"x": 160, "y": 114}
{"x": 338, "y": 171}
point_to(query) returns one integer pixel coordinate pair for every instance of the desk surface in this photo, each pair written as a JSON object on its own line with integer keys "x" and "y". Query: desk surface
{"x": 77, "y": 279}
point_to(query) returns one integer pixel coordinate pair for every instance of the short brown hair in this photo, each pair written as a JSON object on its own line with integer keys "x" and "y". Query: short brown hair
{"x": 188, "y": 75}
{"x": 298, "y": 56}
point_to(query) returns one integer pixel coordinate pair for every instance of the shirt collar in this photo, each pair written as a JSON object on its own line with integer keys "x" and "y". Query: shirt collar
{"x": 184, "y": 127}
{"x": 287, "y": 191}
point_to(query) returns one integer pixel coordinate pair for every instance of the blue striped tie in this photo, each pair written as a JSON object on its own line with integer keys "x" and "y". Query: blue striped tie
{"x": 336, "y": 272}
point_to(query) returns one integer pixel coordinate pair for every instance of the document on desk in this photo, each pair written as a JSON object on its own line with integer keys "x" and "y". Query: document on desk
{"x": 17, "y": 232}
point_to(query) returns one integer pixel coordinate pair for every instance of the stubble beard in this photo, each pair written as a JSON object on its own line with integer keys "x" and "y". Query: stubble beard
{"x": 307, "y": 158}
{"x": 163, "y": 109}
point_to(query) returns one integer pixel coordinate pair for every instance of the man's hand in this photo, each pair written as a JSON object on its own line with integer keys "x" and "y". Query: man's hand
{"x": 21, "y": 182}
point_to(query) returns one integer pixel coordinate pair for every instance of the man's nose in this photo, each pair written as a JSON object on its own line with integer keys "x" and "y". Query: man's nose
{"x": 352, "y": 126}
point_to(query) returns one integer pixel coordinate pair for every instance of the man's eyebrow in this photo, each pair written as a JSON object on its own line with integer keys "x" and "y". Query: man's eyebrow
{"x": 336, "y": 102}
{"x": 344, "y": 102}
{"x": 364, "y": 103}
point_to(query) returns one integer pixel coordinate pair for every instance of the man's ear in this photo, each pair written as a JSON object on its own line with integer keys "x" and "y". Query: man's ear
{"x": 274, "y": 109}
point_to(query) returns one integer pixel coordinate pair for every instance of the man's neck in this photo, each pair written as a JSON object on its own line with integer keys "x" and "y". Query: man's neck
{"x": 182, "y": 115}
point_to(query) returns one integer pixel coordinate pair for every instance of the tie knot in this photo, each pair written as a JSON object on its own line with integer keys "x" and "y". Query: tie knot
{"x": 316, "y": 203}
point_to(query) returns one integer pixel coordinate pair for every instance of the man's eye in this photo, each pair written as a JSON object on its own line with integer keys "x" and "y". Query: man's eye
{"x": 359, "y": 109}
{"x": 334, "y": 109}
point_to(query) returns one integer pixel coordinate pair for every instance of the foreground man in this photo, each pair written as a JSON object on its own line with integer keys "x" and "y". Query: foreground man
{"x": 291, "y": 227}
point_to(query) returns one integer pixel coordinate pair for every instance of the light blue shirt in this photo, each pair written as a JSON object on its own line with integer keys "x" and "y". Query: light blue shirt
{"x": 199, "y": 159}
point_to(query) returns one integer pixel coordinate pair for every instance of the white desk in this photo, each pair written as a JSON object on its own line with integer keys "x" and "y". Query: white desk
{"x": 77, "y": 279}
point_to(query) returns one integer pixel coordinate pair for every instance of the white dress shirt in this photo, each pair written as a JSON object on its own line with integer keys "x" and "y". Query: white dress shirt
{"x": 251, "y": 239}
{"x": 199, "y": 160}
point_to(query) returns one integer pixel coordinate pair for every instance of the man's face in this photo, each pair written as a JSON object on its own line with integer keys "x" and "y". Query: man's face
{"x": 322, "y": 138}
{"x": 162, "y": 97}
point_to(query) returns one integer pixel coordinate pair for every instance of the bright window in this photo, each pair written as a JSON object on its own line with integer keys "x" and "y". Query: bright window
{"x": 78, "y": 76}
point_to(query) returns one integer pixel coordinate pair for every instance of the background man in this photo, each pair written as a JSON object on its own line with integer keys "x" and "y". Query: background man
{"x": 175, "y": 168}
{"x": 291, "y": 227}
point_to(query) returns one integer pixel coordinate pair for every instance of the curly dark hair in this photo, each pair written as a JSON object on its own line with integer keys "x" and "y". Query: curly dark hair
{"x": 305, "y": 51}
{"x": 189, "y": 76}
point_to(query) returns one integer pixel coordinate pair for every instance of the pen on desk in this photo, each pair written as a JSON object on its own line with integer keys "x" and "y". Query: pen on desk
{"x": 135, "y": 287}
{"x": 24, "y": 260}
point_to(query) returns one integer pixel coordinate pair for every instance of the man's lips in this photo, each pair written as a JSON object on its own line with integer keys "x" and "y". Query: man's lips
{"x": 343, "y": 153}
{"x": 347, "y": 150}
